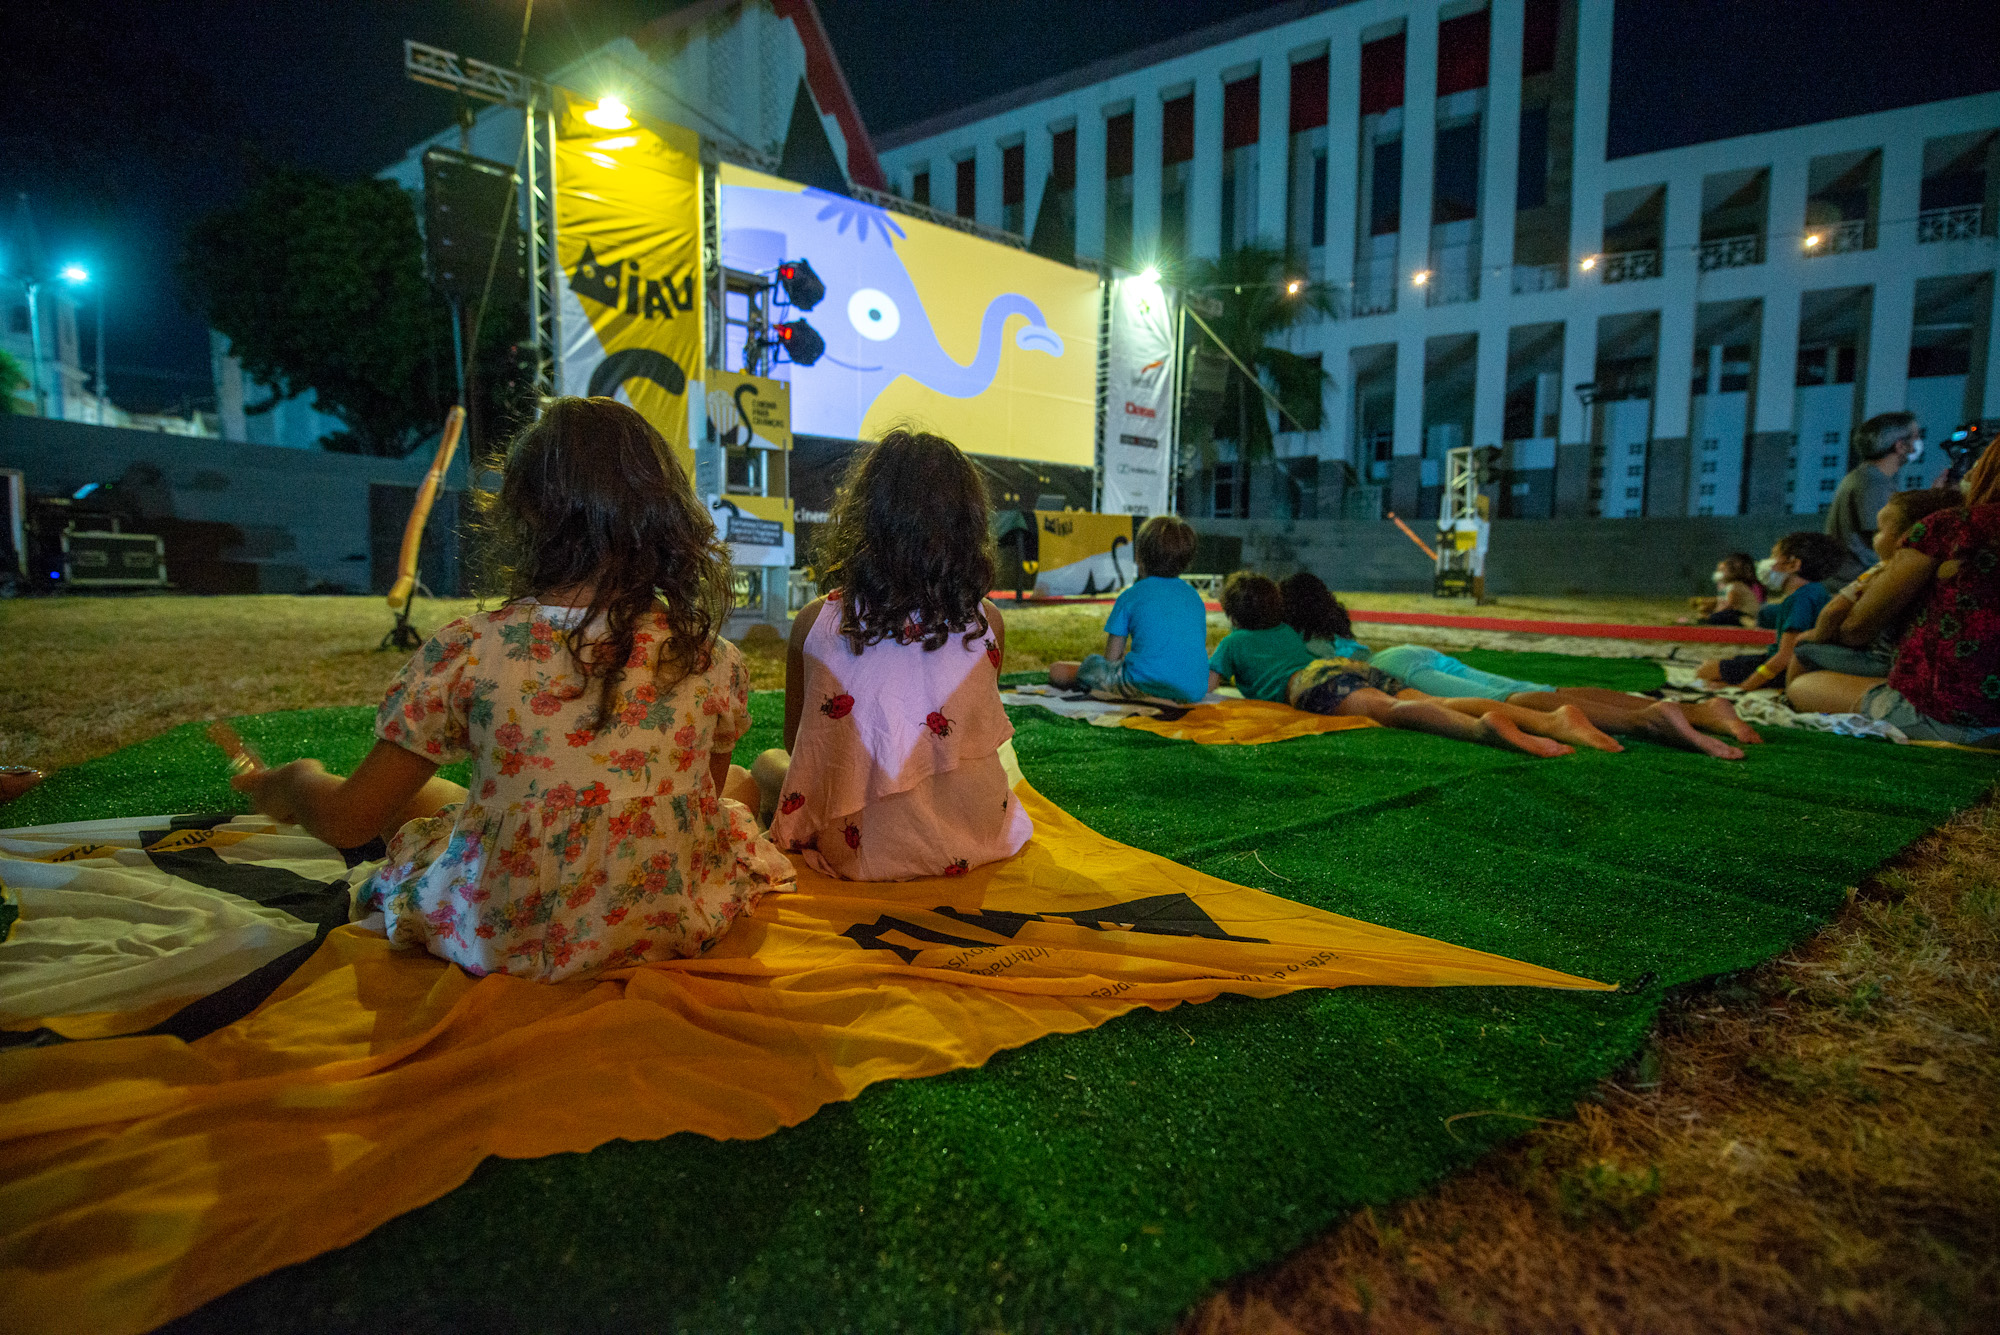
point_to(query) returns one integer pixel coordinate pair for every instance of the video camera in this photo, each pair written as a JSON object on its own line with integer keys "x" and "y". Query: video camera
{"x": 1963, "y": 447}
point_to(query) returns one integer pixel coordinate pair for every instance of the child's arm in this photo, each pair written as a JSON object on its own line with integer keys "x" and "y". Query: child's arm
{"x": 1903, "y": 580}
{"x": 998, "y": 625}
{"x": 1114, "y": 647}
{"x": 1214, "y": 681}
{"x": 795, "y": 671}
{"x": 1826, "y": 630}
{"x": 1774, "y": 666}
{"x": 385, "y": 790}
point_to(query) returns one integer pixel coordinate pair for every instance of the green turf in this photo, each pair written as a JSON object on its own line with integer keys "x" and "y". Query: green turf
{"x": 1104, "y": 1181}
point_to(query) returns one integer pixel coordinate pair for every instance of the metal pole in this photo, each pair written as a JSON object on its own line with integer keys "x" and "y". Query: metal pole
{"x": 537, "y": 351}
{"x": 100, "y": 352}
{"x": 34, "y": 290}
{"x": 1180, "y": 393}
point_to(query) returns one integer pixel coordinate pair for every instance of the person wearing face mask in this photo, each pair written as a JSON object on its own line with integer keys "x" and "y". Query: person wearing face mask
{"x": 1738, "y": 594}
{"x": 1799, "y": 561}
{"x": 1887, "y": 443}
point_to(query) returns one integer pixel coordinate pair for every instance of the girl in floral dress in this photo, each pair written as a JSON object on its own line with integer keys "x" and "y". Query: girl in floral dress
{"x": 893, "y": 721}
{"x": 604, "y": 825}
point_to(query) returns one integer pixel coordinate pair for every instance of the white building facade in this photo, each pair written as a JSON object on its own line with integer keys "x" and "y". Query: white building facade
{"x": 1695, "y": 331}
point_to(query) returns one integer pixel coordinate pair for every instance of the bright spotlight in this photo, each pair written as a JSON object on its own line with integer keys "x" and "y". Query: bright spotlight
{"x": 1149, "y": 275}
{"x": 75, "y": 273}
{"x": 1421, "y": 277}
{"x": 1292, "y": 288}
{"x": 1588, "y": 263}
{"x": 1812, "y": 239}
{"x": 609, "y": 114}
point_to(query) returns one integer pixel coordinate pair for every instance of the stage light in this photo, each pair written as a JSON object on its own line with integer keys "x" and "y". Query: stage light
{"x": 1421, "y": 277}
{"x": 1587, "y": 263}
{"x": 1149, "y": 275}
{"x": 1812, "y": 239}
{"x": 75, "y": 273}
{"x": 801, "y": 342}
{"x": 609, "y": 114}
{"x": 802, "y": 286}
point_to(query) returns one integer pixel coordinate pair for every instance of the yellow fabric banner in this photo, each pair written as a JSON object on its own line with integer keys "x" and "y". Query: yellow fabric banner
{"x": 628, "y": 242}
{"x": 1243, "y": 723}
{"x": 146, "y": 1176}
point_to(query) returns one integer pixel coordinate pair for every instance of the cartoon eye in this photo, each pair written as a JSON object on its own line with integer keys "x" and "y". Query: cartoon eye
{"x": 873, "y": 314}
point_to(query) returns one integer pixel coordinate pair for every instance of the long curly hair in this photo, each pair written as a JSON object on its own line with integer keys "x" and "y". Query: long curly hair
{"x": 593, "y": 498}
{"x": 1312, "y": 610}
{"x": 907, "y": 546}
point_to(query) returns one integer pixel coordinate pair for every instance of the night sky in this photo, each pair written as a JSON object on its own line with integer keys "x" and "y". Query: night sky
{"x": 125, "y": 120}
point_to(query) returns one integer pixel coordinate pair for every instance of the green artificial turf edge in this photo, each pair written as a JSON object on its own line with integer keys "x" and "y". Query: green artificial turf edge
{"x": 1105, "y": 1180}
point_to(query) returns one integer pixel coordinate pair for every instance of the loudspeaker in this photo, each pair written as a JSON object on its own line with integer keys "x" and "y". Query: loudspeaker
{"x": 467, "y": 201}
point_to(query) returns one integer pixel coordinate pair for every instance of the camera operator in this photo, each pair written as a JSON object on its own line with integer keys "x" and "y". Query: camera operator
{"x": 1886, "y": 442}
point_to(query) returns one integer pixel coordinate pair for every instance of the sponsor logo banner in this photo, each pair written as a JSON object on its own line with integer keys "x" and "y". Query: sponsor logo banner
{"x": 1140, "y": 393}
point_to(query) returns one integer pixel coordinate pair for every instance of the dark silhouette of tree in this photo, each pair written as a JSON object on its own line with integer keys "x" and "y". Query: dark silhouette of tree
{"x": 319, "y": 285}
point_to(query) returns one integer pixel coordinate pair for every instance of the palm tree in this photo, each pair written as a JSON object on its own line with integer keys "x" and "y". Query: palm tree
{"x": 1263, "y": 293}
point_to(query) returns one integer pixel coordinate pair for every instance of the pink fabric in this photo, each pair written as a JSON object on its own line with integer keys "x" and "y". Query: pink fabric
{"x": 896, "y": 769}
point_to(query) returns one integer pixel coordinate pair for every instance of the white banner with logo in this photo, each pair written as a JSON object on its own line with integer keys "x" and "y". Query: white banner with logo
{"x": 1138, "y": 416}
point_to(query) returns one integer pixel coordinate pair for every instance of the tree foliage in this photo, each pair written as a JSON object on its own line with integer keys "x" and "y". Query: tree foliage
{"x": 1250, "y": 282}
{"x": 12, "y": 381}
{"x": 319, "y": 285}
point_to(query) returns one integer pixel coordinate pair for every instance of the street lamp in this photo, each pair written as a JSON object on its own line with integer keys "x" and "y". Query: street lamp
{"x": 77, "y": 276}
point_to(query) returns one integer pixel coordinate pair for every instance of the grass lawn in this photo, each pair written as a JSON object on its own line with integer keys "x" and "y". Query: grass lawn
{"x": 1810, "y": 1144}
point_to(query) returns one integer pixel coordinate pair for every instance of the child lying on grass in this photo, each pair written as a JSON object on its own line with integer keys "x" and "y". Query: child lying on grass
{"x": 1268, "y": 660}
{"x": 1156, "y": 639}
{"x": 1312, "y": 610}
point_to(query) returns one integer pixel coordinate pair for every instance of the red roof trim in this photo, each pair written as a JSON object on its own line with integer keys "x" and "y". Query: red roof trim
{"x": 829, "y": 88}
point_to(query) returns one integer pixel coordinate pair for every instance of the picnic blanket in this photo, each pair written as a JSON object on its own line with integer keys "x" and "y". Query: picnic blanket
{"x": 1222, "y": 718}
{"x": 149, "y": 1174}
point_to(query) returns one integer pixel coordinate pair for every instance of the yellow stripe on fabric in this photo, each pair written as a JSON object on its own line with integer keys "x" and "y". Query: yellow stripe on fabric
{"x": 1244, "y": 723}
{"x": 146, "y": 1176}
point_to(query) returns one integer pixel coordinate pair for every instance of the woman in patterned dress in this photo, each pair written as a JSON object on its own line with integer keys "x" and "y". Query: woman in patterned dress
{"x": 604, "y": 825}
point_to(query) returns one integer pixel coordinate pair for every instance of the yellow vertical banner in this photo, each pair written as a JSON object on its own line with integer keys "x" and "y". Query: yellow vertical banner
{"x": 628, "y": 245}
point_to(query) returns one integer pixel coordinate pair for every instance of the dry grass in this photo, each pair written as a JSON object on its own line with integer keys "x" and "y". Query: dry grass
{"x": 1812, "y": 1146}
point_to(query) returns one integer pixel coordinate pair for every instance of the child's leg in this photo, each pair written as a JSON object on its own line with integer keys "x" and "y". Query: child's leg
{"x": 768, "y": 773}
{"x": 1830, "y": 692}
{"x": 1063, "y": 673}
{"x": 433, "y": 797}
{"x": 1431, "y": 716}
{"x": 740, "y": 787}
{"x": 1601, "y": 705}
{"x": 1564, "y": 723}
{"x": 1662, "y": 720}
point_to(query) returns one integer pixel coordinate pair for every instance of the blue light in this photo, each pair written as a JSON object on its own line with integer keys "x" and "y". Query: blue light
{"x": 55, "y": 574}
{"x": 85, "y": 490}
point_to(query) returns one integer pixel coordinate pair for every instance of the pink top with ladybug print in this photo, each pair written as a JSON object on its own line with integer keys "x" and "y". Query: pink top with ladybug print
{"x": 574, "y": 851}
{"x": 896, "y": 770}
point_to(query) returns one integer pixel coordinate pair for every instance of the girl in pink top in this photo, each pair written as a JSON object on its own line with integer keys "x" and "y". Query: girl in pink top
{"x": 893, "y": 721}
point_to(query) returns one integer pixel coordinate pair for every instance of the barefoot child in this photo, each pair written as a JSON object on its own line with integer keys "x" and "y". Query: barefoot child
{"x": 893, "y": 721}
{"x": 1269, "y": 660}
{"x": 1156, "y": 639}
{"x": 598, "y": 709}
{"x": 1313, "y": 611}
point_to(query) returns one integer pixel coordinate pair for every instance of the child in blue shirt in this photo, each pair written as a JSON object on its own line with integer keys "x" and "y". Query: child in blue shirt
{"x": 1801, "y": 560}
{"x": 1156, "y": 640}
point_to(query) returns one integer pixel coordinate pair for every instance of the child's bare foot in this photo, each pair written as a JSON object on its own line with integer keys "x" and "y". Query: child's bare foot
{"x": 1719, "y": 716}
{"x": 17, "y": 779}
{"x": 1668, "y": 722}
{"x": 1503, "y": 731}
{"x": 1575, "y": 727}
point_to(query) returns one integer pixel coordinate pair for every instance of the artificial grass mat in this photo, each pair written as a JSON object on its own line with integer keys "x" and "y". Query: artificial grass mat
{"x": 1105, "y": 1180}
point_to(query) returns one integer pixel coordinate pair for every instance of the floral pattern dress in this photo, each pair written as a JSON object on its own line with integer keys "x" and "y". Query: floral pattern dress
{"x": 896, "y": 771}
{"x": 1948, "y": 664}
{"x": 574, "y": 851}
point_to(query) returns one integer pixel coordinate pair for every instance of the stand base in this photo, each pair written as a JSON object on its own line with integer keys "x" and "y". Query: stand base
{"x": 402, "y": 635}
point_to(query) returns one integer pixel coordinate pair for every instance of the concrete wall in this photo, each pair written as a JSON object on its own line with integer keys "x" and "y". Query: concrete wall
{"x": 1668, "y": 557}
{"x": 303, "y": 514}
